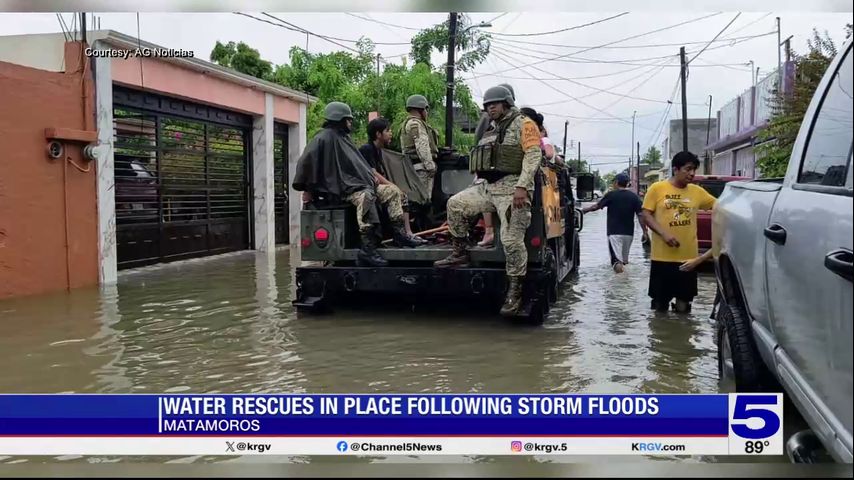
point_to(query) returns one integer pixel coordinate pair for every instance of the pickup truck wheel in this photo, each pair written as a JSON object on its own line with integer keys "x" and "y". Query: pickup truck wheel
{"x": 740, "y": 367}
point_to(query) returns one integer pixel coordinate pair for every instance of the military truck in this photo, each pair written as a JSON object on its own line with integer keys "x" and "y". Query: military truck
{"x": 329, "y": 237}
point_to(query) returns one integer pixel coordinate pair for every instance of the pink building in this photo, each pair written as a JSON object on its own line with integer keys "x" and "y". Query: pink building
{"x": 188, "y": 158}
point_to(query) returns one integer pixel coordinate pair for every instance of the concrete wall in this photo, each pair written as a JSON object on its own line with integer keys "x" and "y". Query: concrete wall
{"x": 696, "y": 135}
{"x": 697, "y": 128}
{"x": 45, "y": 203}
{"x": 43, "y": 52}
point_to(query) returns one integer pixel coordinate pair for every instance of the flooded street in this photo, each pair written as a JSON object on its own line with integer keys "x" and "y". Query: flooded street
{"x": 226, "y": 325}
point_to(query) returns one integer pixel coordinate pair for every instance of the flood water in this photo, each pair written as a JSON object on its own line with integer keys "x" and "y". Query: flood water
{"x": 225, "y": 325}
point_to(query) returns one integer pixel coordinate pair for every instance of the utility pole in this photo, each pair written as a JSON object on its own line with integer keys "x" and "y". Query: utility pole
{"x": 83, "y": 25}
{"x": 779, "y": 60}
{"x": 752, "y": 74}
{"x": 637, "y": 170}
{"x": 565, "y": 129}
{"x": 379, "y": 97}
{"x": 632, "y": 155}
{"x": 684, "y": 99}
{"x": 579, "y": 157}
{"x": 708, "y": 133}
{"x": 788, "y": 43}
{"x": 449, "y": 99}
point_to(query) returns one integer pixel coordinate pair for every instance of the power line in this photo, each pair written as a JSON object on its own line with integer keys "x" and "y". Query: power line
{"x": 558, "y": 31}
{"x": 496, "y": 18}
{"x": 327, "y": 37}
{"x": 601, "y": 75}
{"x": 299, "y": 31}
{"x": 716, "y": 37}
{"x": 732, "y": 41}
{"x": 652, "y": 69}
{"x": 613, "y": 42}
{"x": 654, "y": 45}
{"x": 502, "y": 58}
{"x": 382, "y": 23}
{"x": 509, "y": 45}
{"x": 604, "y": 90}
{"x": 752, "y": 23}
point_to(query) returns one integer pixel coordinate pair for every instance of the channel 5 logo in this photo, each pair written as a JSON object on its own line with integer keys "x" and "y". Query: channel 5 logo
{"x": 755, "y": 416}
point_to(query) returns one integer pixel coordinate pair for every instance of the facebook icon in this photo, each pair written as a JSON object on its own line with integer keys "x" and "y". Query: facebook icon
{"x": 342, "y": 446}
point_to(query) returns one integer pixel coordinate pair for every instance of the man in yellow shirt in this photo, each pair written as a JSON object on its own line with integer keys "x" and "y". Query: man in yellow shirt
{"x": 670, "y": 210}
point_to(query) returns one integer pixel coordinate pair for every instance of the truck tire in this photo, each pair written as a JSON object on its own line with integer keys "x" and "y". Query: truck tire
{"x": 740, "y": 367}
{"x": 576, "y": 253}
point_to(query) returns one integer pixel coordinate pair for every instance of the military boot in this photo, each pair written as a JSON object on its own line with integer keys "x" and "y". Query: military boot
{"x": 401, "y": 239}
{"x": 459, "y": 257}
{"x": 367, "y": 255}
{"x": 514, "y": 297}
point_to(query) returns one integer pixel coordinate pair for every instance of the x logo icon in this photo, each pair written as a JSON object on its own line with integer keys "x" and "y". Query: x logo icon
{"x": 229, "y": 446}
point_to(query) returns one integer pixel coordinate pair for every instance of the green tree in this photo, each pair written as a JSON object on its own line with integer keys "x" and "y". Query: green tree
{"x": 789, "y": 107}
{"x": 242, "y": 58}
{"x": 652, "y": 157}
{"x": 352, "y": 78}
{"x": 608, "y": 180}
{"x": 473, "y": 44}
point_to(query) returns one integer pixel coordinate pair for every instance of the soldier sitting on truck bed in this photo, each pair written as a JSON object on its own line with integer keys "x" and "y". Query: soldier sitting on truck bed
{"x": 332, "y": 168}
{"x": 505, "y": 161}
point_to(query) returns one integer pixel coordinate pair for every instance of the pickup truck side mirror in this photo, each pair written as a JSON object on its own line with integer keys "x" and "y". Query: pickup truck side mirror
{"x": 584, "y": 187}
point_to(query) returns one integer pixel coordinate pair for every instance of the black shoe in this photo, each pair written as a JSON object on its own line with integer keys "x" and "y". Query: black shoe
{"x": 367, "y": 255}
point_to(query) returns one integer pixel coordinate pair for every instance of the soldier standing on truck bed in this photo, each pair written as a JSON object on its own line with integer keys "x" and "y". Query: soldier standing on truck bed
{"x": 419, "y": 141}
{"x": 331, "y": 168}
{"x": 505, "y": 161}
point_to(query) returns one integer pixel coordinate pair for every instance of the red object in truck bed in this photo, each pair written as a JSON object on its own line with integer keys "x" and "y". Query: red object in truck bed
{"x": 714, "y": 185}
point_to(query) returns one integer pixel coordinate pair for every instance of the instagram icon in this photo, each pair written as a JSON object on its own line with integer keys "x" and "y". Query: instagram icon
{"x": 516, "y": 446}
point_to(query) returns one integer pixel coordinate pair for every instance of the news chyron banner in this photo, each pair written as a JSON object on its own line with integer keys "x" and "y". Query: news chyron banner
{"x": 381, "y": 425}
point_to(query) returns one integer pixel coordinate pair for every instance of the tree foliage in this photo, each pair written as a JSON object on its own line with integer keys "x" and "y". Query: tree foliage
{"x": 789, "y": 107}
{"x": 652, "y": 157}
{"x": 352, "y": 78}
{"x": 472, "y": 45}
{"x": 242, "y": 58}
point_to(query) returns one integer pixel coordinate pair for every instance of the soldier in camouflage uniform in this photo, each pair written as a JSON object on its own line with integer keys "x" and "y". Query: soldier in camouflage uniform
{"x": 505, "y": 161}
{"x": 420, "y": 141}
{"x": 333, "y": 150}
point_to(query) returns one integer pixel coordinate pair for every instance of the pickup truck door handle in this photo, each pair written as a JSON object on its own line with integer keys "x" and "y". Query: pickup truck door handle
{"x": 776, "y": 233}
{"x": 840, "y": 263}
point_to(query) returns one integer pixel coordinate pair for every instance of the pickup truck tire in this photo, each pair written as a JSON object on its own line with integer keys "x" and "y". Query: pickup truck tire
{"x": 740, "y": 367}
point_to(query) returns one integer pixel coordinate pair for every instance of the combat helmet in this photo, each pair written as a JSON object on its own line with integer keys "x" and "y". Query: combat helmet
{"x": 337, "y": 111}
{"x": 498, "y": 94}
{"x": 417, "y": 101}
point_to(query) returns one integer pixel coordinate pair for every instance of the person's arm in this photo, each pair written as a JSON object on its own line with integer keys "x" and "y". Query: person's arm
{"x": 598, "y": 205}
{"x": 641, "y": 222}
{"x": 381, "y": 180}
{"x": 694, "y": 263}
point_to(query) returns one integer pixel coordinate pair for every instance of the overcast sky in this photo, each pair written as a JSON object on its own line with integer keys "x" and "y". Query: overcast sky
{"x": 645, "y": 72}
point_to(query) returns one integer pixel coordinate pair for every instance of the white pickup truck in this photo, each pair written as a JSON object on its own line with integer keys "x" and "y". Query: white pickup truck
{"x": 783, "y": 256}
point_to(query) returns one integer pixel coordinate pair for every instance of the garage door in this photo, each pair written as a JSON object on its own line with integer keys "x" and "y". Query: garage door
{"x": 182, "y": 183}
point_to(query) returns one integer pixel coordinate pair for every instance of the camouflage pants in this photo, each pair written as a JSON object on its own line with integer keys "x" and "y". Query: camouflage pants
{"x": 426, "y": 173}
{"x": 488, "y": 198}
{"x": 365, "y": 203}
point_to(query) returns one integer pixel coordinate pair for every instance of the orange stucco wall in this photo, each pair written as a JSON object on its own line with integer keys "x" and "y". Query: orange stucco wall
{"x": 40, "y": 197}
{"x": 173, "y": 80}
